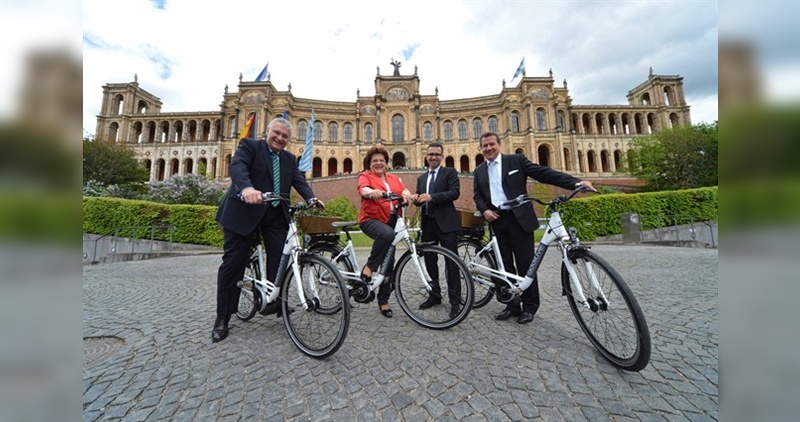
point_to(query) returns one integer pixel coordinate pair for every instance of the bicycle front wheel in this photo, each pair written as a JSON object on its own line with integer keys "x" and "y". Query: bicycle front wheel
{"x": 613, "y": 321}
{"x": 248, "y": 297}
{"x": 455, "y": 294}
{"x": 319, "y": 325}
{"x": 484, "y": 286}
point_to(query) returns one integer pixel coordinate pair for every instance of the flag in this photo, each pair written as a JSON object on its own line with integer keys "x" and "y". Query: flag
{"x": 247, "y": 127}
{"x": 305, "y": 159}
{"x": 520, "y": 69}
{"x": 263, "y": 75}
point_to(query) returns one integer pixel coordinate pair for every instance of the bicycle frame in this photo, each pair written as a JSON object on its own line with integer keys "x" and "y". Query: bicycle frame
{"x": 401, "y": 235}
{"x": 289, "y": 259}
{"x": 555, "y": 233}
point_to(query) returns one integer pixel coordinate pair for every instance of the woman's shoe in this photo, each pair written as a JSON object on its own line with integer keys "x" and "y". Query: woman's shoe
{"x": 387, "y": 312}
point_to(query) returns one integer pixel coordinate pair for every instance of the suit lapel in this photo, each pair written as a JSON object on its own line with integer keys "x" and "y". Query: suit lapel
{"x": 504, "y": 171}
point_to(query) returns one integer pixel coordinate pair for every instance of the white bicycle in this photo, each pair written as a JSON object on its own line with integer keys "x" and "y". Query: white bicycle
{"x": 309, "y": 293}
{"x": 602, "y": 303}
{"x": 417, "y": 269}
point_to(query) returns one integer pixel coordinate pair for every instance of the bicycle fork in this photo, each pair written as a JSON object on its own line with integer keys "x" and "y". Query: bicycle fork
{"x": 577, "y": 289}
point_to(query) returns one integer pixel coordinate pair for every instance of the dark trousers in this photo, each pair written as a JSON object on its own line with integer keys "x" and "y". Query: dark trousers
{"x": 382, "y": 235}
{"x": 432, "y": 233}
{"x": 517, "y": 247}
{"x": 236, "y": 251}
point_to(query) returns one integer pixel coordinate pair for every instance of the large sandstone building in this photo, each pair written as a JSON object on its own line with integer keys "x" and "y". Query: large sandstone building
{"x": 536, "y": 117}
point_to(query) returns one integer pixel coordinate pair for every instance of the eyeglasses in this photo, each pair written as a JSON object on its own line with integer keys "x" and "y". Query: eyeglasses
{"x": 431, "y": 154}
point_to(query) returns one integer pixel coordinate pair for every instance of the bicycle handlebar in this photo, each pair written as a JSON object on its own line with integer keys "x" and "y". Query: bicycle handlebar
{"x": 268, "y": 197}
{"x": 560, "y": 199}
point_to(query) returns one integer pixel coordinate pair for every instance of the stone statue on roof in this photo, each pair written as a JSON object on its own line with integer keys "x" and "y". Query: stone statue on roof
{"x": 396, "y": 65}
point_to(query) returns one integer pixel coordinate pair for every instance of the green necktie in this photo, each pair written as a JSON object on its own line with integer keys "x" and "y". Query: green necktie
{"x": 276, "y": 176}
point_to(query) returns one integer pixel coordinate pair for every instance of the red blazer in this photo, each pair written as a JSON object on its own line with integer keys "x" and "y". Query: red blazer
{"x": 377, "y": 208}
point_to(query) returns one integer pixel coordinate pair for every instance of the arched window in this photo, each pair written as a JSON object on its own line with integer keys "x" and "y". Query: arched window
{"x": 302, "y": 130}
{"x": 333, "y": 132}
{"x": 560, "y": 120}
{"x": 462, "y": 130}
{"x": 448, "y": 131}
{"x": 316, "y": 167}
{"x": 398, "y": 128}
{"x": 348, "y": 132}
{"x": 477, "y": 129}
{"x": 567, "y": 160}
{"x": 368, "y": 132}
{"x": 427, "y": 131}
{"x": 540, "y": 123}
{"x": 464, "y": 164}
{"x": 514, "y": 122}
{"x": 348, "y": 166}
{"x": 318, "y": 132}
{"x": 544, "y": 155}
{"x": 493, "y": 124}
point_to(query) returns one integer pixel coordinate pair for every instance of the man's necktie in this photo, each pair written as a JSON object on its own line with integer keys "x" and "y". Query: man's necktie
{"x": 276, "y": 177}
{"x": 431, "y": 180}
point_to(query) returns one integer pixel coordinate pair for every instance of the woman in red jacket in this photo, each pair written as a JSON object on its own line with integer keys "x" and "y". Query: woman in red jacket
{"x": 376, "y": 219}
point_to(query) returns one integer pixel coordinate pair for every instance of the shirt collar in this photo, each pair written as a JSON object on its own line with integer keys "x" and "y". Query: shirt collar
{"x": 498, "y": 159}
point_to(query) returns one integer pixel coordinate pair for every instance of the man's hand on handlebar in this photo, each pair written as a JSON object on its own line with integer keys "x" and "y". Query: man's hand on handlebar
{"x": 586, "y": 184}
{"x": 251, "y": 196}
{"x": 314, "y": 202}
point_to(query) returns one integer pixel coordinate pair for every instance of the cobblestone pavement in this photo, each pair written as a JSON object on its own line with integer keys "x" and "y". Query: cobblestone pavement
{"x": 149, "y": 355}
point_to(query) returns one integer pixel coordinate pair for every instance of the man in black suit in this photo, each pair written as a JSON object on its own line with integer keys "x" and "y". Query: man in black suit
{"x": 254, "y": 169}
{"x": 500, "y": 178}
{"x": 437, "y": 188}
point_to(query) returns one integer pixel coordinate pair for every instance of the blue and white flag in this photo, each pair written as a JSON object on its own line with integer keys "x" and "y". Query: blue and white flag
{"x": 308, "y": 152}
{"x": 263, "y": 75}
{"x": 520, "y": 69}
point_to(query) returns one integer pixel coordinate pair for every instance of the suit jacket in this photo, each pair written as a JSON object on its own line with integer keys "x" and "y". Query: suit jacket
{"x": 251, "y": 166}
{"x": 446, "y": 189}
{"x": 516, "y": 170}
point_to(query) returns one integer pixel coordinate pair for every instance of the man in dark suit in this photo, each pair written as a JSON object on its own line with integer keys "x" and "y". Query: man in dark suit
{"x": 500, "y": 178}
{"x": 255, "y": 168}
{"x": 437, "y": 188}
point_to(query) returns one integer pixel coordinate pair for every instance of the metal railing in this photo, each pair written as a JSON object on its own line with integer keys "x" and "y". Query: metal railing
{"x": 678, "y": 228}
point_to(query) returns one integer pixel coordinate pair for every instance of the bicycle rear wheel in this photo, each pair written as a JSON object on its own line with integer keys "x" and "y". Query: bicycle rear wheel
{"x": 484, "y": 287}
{"x": 319, "y": 326}
{"x": 616, "y": 326}
{"x": 249, "y": 300}
{"x": 456, "y": 288}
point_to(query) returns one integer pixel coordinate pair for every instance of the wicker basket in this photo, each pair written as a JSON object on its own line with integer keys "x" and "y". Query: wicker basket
{"x": 468, "y": 219}
{"x": 315, "y": 224}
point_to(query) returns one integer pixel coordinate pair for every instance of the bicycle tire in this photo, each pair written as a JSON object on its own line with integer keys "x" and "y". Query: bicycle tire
{"x": 618, "y": 329}
{"x": 467, "y": 249}
{"x": 410, "y": 291}
{"x": 249, "y": 299}
{"x": 317, "y": 334}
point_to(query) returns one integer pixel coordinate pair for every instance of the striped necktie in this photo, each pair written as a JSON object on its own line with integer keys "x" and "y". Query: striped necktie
{"x": 276, "y": 176}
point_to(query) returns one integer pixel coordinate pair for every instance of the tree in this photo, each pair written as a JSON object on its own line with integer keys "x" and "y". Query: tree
{"x": 683, "y": 157}
{"x": 111, "y": 163}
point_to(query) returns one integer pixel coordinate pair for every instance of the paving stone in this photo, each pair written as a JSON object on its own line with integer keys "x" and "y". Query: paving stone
{"x": 394, "y": 369}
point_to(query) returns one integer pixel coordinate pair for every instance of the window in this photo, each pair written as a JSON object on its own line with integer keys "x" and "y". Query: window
{"x": 493, "y": 124}
{"x": 540, "y": 119}
{"x": 333, "y": 132}
{"x": 398, "y": 131}
{"x": 302, "y": 130}
{"x": 348, "y": 132}
{"x": 462, "y": 129}
{"x": 477, "y": 128}
{"x": 317, "y": 131}
{"x": 448, "y": 131}
{"x": 368, "y": 132}
{"x": 427, "y": 131}
{"x": 515, "y": 122}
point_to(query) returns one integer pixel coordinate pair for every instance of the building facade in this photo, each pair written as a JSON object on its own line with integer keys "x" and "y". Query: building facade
{"x": 536, "y": 117}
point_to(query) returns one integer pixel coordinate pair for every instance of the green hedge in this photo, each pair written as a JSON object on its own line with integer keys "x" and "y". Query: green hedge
{"x": 599, "y": 215}
{"x": 193, "y": 223}
{"x": 593, "y": 216}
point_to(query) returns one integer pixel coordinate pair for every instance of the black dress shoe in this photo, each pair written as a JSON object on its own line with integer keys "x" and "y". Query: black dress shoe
{"x": 429, "y": 303}
{"x": 506, "y": 314}
{"x": 220, "y": 330}
{"x": 454, "y": 311}
{"x": 525, "y": 318}
{"x": 387, "y": 313}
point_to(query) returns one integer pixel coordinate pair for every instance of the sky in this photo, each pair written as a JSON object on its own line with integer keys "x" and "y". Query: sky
{"x": 185, "y": 52}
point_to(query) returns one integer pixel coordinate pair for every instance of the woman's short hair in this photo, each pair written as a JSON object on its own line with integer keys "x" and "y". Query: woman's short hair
{"x": 372, "y": 151}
